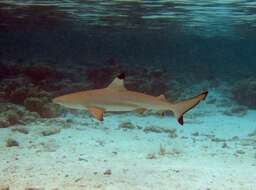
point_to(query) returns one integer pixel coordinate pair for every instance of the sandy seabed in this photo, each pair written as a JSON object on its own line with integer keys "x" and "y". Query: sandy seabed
{"x": 212, "y": 151}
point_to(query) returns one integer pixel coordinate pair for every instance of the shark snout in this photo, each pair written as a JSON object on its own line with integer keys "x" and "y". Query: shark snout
{"x": 57, "y": 100}
{"x": 66, "y": 101}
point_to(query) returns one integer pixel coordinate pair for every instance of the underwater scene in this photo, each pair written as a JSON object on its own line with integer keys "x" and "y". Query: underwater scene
{"x": 127, "y": 95}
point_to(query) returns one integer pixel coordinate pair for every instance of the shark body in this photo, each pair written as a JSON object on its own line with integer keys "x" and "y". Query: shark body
{"x": 116, "y": 98}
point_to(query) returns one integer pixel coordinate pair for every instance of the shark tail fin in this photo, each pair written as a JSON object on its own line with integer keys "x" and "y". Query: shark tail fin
{"x": 180, "y": 108}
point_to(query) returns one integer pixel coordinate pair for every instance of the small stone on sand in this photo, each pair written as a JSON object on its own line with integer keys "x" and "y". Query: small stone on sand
{"x": 50, "y": 131}
{"x": 11, "y": 142}
{"x": 107, "y": 172}
{"x": 126, "y": 125}
{"x": 4, "y": 187}
{"x": 20, "y": 130}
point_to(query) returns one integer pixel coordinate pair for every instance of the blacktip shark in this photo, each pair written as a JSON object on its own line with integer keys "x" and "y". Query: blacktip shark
{"x": 116, "y": 98}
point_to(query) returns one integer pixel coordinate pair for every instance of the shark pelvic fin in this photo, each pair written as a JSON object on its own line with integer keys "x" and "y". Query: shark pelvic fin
{"x": 118, "y": 83}
{"x": 98, "y": 113}
{"x": 141, "y": 110}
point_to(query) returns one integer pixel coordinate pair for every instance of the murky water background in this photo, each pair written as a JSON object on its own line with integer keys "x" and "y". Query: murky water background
{"x": 171, "y": 32}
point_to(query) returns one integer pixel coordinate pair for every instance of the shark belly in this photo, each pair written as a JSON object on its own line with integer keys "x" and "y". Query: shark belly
{"x": 117, "y": 106}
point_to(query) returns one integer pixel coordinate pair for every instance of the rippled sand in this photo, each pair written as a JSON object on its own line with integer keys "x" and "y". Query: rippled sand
{"x": 211, "y": 151}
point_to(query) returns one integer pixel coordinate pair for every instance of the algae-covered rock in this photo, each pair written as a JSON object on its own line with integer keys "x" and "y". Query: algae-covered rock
{"x": 252, "y": 134}
{"x": 11, "y": 142}
{"x": 236, "y": 111}
{"x": 217, "y": 140}
{"x": 244, "y": 92}
{"x": 67, "y": 124}
{"x": 21, "y": 129}
{"x": 19, "y": 89}
{"x": 151, "y": 156}
{"x": 29, "y": 117}
{"x": 33, "y": 104}
{"x": 4, "y": 123}
{"x": 156, "y": 129}
{"x": 51, "y": 131}
{"x": 196, "y": 134}
{"x": 224, "y": 145}
{"x": 162, "y": 150}
{"x": 2, "y": 96}
{"x": 240, "y": 152}
{"x": 15, "y": 90}
{"x": 173, "y": 135}
{"x": 126, "y": 125}
{"x": 107, "y": 172}
{"x": 49, "y": 146}
{"x": 41, "y": 106}
{"x": 34, "y": 188}
{"x": 37, "y": 73}
{"x": 152, "y": 129}
{"x": 18, "y": 95}
{"x": 12, "y": 117}
{"x": 38, "y": 93}
{"x": 10, "y": 114}
{"x": 4, "y": 187}
{"x": 49, "y": 111}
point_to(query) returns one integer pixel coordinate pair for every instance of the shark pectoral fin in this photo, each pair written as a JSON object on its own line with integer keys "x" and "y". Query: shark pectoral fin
{"x": 141, "y": 110}
{"x": 96, "y": 112}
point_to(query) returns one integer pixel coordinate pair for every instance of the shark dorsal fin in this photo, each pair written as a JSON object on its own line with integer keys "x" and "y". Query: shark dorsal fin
{"x": 162, "y": 97}
{"x": 118, "y": 83}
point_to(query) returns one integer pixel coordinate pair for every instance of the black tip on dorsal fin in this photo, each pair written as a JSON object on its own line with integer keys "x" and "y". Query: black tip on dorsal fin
{"x": 121, "y": 76}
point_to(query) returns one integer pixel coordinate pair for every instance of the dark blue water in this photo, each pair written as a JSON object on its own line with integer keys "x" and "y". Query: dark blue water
{"x": 217, "y": 34}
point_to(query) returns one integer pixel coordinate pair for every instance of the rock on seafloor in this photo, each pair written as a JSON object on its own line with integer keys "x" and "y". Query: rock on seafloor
{"x": 244, "y": 92}
{"x": 11, "y": 142}
{"x": 51, "y": 131}
{"x": 238, "y": 111}
{"x": 34, "y": 188}
{"x": 20, "y": 129}
{"x": 107, "y": 172}
{"x": 11, "y": 114}
{"x": 126, "y": 125}
{"x": 4, "y": 187}
{"x": 41, "y": 106}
